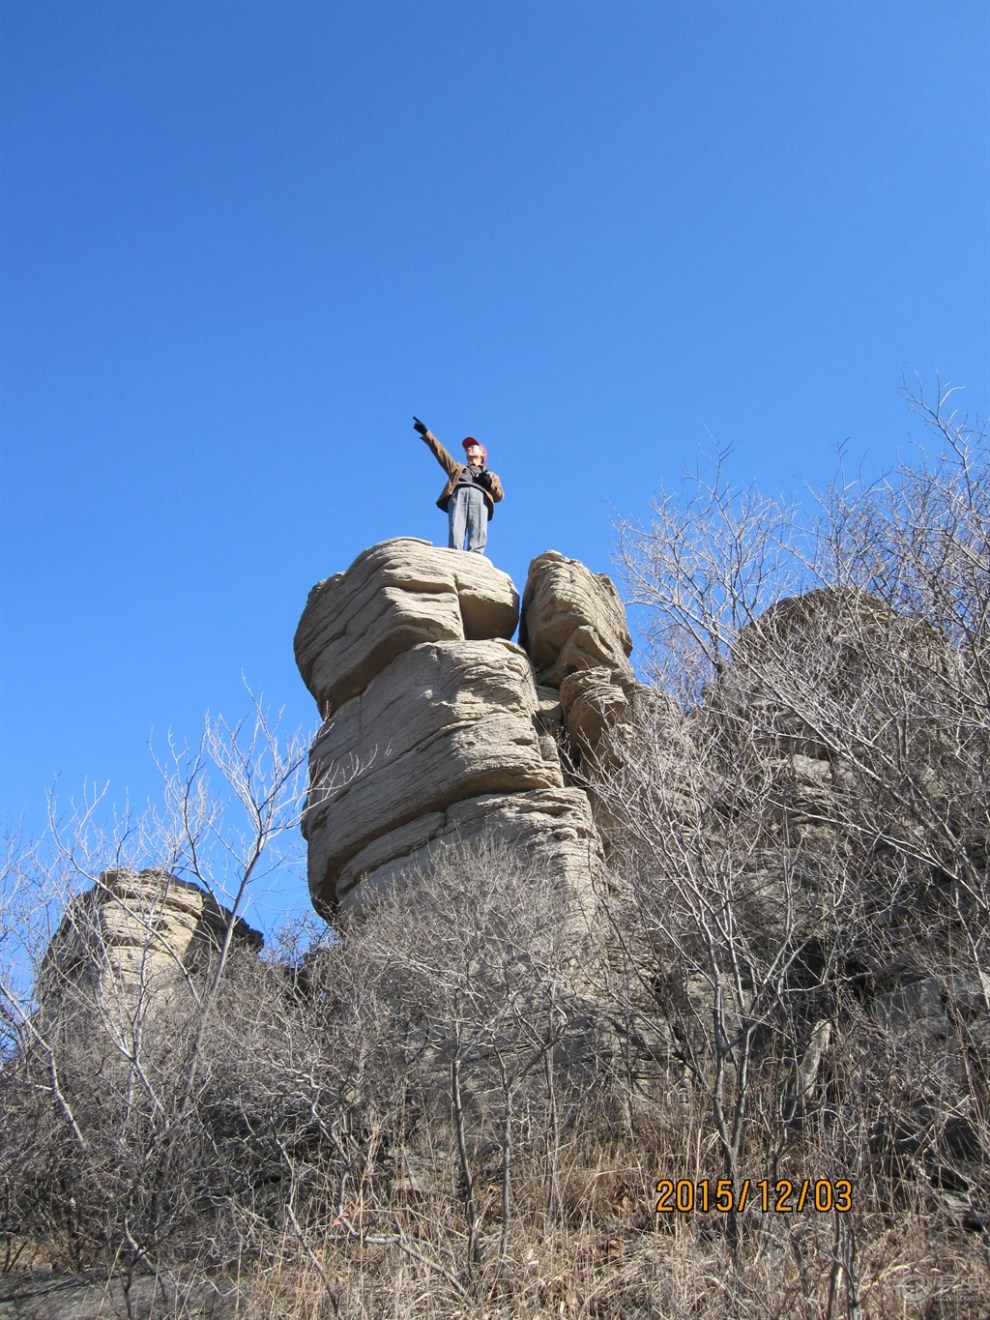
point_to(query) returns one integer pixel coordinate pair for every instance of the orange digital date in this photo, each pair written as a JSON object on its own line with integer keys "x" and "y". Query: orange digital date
{"x": 782, "y": 1196}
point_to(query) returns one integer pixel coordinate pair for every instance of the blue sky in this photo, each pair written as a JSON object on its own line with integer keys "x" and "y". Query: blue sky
{"x": 242, "y": 243}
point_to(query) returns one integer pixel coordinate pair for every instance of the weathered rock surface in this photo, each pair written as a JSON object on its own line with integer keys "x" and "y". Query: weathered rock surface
{"x": 822, "y": 647}
{"x": 552, "y": 826}
{"x": 929, "y": 1011}
{"x": 134, "y": 934}
{"x": 572, "y": 619}
{"x": 442, "y": 723}
{"x": 394, "y": 596}
{"x": 436, "y": 730}
{"x": 593, "y": 702}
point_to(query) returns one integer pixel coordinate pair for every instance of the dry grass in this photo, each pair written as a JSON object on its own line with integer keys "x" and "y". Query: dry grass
{"x": 599, "y": 1251}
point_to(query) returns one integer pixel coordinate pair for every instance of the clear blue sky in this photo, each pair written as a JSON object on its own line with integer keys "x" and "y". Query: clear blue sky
{"x": 244, "y": 242}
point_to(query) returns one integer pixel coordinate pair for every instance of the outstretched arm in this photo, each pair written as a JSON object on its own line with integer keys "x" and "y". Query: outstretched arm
{"x": 449, "y": 464}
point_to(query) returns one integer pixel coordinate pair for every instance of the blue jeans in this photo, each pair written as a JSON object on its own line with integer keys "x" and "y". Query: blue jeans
{"x": 468, "y": 513}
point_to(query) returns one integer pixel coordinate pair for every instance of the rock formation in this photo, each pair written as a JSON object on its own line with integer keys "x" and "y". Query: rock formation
{"x": 393, "y": 597}
{"x": 438, "y": 728}
{"x": 132, "y": 942}
{"x": 795, "y": 895}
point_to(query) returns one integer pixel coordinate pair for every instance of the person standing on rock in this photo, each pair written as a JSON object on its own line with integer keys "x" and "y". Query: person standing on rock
{"x": 471, "y": 493}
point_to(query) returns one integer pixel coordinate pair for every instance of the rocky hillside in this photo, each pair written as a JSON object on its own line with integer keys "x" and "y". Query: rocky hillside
{"x": 609, "y": 958}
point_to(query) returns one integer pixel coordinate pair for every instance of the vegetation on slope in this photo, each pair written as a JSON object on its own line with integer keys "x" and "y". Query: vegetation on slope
{"x": 758, "y": 1086}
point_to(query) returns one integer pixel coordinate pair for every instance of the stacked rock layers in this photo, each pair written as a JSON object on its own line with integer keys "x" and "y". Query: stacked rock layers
{"x": 434, "y": 728}
{"x": 132, "y": 942}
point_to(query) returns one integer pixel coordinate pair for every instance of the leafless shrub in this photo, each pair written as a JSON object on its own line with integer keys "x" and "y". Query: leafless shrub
{"x": 803, "y": 845}
{"x": 107, "y": 1015}
{"x": 467, "y": 992}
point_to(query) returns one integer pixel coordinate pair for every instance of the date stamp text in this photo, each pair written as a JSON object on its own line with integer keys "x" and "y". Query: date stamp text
{"x": 782, "y": 1196}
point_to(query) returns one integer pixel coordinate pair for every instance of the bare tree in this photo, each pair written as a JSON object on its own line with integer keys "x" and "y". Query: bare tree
{"x": 116, "y": 947}
{"x": 483, "y": 970}
{"x": 803, "y": 835}
{"x": 418, "y": 1113}
{"x": 706, "y": 565}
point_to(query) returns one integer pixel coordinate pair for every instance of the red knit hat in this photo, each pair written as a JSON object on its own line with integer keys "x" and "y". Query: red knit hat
{"x": 469, "y": 440}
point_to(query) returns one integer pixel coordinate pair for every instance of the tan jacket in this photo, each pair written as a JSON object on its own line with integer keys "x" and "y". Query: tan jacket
{"x": 454, "y": 470}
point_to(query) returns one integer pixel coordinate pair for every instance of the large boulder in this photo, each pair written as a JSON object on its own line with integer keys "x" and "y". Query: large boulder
{"x": 394, "y": 596}
{"x": 435, "y": 730}
{"x": 808, "y": 661}
{"x": 134, "y": 940}
{"x": 443, "y": 722}
{"x": 572, "y": 619}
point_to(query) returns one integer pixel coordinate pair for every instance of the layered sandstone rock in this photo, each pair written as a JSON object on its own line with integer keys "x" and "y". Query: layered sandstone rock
{"x": 394, "y": 596}
{"x": 552, "y": 827}
{"x": 572, "y": 619}
{"x": 134, "y": 940}
{"x": 832, "y": 649}
{"x": 574, "y": 629}
{"x": 594, "y": 702}
{"x": 444, "y": 722}
{"x": 436, "y": 731}
{"x": 813, "y": 679}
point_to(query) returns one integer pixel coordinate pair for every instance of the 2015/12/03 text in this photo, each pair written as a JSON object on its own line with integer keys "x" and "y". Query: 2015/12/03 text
{"x": 772, "y": 1196}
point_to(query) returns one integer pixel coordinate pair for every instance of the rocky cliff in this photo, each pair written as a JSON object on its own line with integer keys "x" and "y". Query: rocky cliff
{"x": 438, "y": 728}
